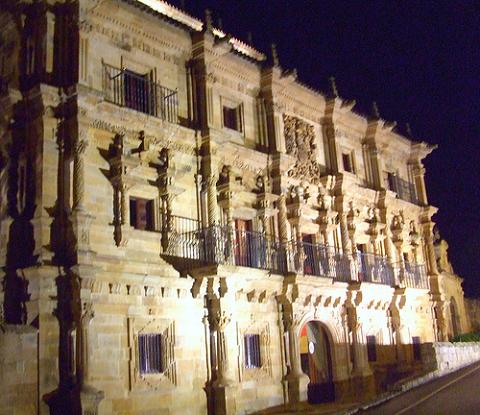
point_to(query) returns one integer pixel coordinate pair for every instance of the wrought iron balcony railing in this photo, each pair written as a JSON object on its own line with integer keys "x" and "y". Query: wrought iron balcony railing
{"x": 128, "y": 89}
{"x": 375, "y": 269}
{"x": 404, "y": 189}
{"x": 319, "y": 260}
{"x": 226, "y": 246}
{"x": 415, "y": 276}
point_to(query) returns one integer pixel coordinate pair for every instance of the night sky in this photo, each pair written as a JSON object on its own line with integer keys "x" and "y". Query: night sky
{"x": 419, "y": 60}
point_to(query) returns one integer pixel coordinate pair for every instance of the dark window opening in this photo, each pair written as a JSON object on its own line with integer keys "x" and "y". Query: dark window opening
{"x": 232, "y": 119}
{"x": 138, "y": 92}
{"x": 372, "y": 348}
{"x": 252, "y": 351}
{"x": 150, "y": 353}
{"x": 416, "y": 348}
{"x": 142, "y": 214}
{"x": 347, "y": 162}
{"x": 392, "y": 182}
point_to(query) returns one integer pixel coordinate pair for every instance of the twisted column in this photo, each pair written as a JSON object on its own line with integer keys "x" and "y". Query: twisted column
{"x": 282, "y": 219}
{"x": 213, "y": 216}
{"x": 79, "y": 174}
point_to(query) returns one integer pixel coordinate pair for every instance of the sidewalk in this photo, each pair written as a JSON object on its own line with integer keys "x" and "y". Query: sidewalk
{"x": 330, "y": 408}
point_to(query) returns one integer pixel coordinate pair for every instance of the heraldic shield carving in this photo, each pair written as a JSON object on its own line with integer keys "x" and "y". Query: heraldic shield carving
{"x": 300, "y": 143}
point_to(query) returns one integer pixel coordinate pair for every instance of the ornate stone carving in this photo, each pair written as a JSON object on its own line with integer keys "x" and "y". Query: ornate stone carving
{"x": 300, "y": 143}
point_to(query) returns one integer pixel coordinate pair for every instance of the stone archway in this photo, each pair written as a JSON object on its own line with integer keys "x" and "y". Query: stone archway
{"x": 316, "y": 351}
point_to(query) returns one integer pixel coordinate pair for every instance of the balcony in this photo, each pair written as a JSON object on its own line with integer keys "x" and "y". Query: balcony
{"x": 375, "y": 269}
{"x": 138, "y": 92}
{"x": 319, "y": 260}
{"x": 404, "y": 189}
{"x": 223, "y": 245}
{"x": 193, "y": 247}
{"x": 414, "y": 276}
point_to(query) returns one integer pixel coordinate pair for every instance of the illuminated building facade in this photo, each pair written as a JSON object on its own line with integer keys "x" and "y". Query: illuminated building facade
{"x": 188, "y": 229}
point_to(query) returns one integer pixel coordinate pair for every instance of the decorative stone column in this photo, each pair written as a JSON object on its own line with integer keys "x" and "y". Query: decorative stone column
{"x": 220, "y": 323}
{"x": 297, "y": 380}
{"x": 79, "y": 174}
{"x": 347, "y": 245}
{"x": 213, "y": 214}
{"x": 419, "y": 177}
{"x": 361, "y": 368}
{"x": 429, "y": 248}
{"x": 90, "y": 397}
{"x": 282, "y": 219}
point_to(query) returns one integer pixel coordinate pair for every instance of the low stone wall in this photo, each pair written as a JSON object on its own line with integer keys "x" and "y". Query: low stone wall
{"x": 472, "y": 307}
{"x": 447, "y": 357}
{"x": 18, "y": 370}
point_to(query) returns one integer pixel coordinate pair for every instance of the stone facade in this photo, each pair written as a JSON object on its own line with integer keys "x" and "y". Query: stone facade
{"x": 188, "y": 229}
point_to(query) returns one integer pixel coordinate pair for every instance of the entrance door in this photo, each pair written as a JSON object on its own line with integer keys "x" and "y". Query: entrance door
{"x": 316, "y": 361}
{"x": 243, "y": 243}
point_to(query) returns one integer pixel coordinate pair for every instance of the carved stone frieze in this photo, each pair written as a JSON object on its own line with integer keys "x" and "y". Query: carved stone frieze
{"x": 300, "y": 143}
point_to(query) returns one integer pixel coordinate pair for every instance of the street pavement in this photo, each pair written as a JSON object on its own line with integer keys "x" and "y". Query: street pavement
{"x": 456, "y": 393}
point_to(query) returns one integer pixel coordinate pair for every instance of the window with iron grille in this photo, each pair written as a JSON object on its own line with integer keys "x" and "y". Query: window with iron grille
{"x": 252, "y": 351}
{"x": 416, "y": 348}
{"x": 372, "y": 348}
{"x": 150, "y": 353}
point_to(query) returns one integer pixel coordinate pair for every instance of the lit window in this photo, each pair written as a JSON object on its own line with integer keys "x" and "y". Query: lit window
{"x": 232, "y": 117}
{"x": 150, "y": 353}
{"x": 372, "y": 348}
{"x": 142, "y": 214}
{"x": 252, "y": 351}
{"x": 348, "y": 163}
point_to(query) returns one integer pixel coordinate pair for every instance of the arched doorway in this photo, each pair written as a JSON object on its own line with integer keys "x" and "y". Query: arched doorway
{"x": 316, "y": 359}
{"x": 454, "y": 318}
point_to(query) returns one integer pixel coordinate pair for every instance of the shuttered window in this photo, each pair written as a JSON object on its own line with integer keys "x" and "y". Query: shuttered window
{"x": 252, "y": 351}
{"x": 372, "y": 348}
{"x": 150, "y": 353}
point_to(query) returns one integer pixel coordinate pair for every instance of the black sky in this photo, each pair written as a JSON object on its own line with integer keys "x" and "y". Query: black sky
{"x": 419, "y": 60}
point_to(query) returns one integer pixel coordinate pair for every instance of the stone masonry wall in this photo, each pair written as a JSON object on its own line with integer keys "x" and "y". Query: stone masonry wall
{"x": 446, "y": 357}
{"x": 18, "y": 377}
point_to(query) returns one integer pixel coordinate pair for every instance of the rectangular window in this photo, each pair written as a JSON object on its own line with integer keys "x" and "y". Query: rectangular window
{"x": 348, "y": 164}
{"x": 252, "y": 351}
{"x": 138, "y": 92}
{"x": 416, "y": 348}
{"x": 150, "y": 353}
{"x": 392, "y": 182}
{"x": 142, "y": 214}
{"x": 372, "y": 348}
{"x": 232, "y": 118}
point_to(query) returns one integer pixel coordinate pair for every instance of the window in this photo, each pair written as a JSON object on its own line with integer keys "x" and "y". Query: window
{"x": 252, "y": 351}
{"x": 150, "y": 353}
{"x": 138, "y": 92}
{"x": 392, "y": 182}
{"x": 142, "y": 214}
{"x": 416, "y": 348}
{"x": 372, "y": 348}
{"x": 232, "y": 117}
{"x": 348, "y": 163}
